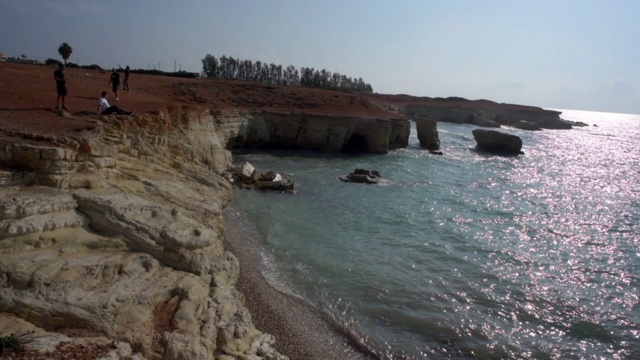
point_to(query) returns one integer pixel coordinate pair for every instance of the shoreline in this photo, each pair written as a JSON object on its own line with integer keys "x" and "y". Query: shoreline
{"x": 300, "y": 331}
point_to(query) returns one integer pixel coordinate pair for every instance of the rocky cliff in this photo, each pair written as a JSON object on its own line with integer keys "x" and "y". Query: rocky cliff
{"x": 116, "y": 234}
{"x": 461, "y": 112}
{"x": 111, "y": 230}
{"x": 335, "y": 133}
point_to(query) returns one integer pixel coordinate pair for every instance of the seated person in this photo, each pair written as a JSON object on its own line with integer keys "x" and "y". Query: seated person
{"x": 105, "y": 109}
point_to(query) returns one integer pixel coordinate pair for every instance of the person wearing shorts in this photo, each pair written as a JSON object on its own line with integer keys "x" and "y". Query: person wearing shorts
{"x": 61, "y": 87}
{"x": 115, "y": 83}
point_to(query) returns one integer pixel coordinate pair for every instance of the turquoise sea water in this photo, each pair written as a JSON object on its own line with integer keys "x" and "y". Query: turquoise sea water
{"x": 466, "y": 255}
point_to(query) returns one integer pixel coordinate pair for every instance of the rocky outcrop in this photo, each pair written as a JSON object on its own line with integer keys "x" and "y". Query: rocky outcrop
{"x": 428, "y": 133}
{"x": 476, "y": 119}
{"x": 246, "y": 176}
{"x": 362, "y": 176}
{"x": 33, "y": 340}
{"x": 118, "y": 234}
{"x": 577, "y": 123}
{"x": 526, "y": 125}
{"x": 459, "y": 112}
{"x": 498, "y": 142}
{"x": 259, "y": 129}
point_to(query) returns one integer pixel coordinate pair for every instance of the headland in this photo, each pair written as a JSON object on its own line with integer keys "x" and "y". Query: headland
{"x": 112, "y": 228}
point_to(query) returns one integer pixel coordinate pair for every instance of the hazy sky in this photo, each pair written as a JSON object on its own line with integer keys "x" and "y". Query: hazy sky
{"x": 555, "y": 54}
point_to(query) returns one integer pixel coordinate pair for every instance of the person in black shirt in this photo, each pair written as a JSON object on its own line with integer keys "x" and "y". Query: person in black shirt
{"x": 61, "y": 86}
{"x": 125, "y": 86}
{"x": 115, "y": 83}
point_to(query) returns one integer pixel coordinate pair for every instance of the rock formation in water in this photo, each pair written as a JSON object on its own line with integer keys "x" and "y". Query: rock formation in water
{"x": 362, "y": 176}
{"x": 479, "y": 120}
{"x": 246, "y": 176}
{"x": 481, "y": 112}
{"x": 498, "y": 142}
{"x": 427, "y": 130}
{"x": 526, "y": 125}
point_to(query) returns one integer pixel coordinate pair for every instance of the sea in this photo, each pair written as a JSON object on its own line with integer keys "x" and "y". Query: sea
{"x": 465, "y": 255}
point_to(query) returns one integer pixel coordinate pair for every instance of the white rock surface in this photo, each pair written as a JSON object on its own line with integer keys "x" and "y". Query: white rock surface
{"x": 120, "y": 236}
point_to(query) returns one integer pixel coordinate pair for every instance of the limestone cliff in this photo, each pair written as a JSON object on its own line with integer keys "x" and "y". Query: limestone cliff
{"x": 460, "y": 112}
{"x": 116, "y": 233}
{"x": 309, "y": 131}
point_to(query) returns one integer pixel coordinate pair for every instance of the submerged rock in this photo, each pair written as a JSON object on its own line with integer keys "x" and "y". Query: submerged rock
{"x": 362, "y": 176}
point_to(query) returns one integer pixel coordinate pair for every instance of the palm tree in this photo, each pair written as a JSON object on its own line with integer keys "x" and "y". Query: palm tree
{"x": 65, "y": 51}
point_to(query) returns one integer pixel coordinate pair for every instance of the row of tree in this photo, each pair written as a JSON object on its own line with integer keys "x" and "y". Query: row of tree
{"x": 236, "y": 69}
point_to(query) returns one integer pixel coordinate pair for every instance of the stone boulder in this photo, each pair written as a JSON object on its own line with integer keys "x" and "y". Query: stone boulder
{"x": 479, "y": 120}
{"x": 247, "y": 177}
{"x": 526, "y": 125}
{"x": 498, "y": 142}
{"x": 246, "y": 171}
{"x": 274, "y": 181}
{"x": 362, "y": 176}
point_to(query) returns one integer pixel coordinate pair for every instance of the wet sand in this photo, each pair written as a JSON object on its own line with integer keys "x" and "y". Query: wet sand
{"x": 300, "y": 331}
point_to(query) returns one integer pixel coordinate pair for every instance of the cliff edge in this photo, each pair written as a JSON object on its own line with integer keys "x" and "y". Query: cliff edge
{"x": 111, "y": 228}
{"x": 111, "y": 231}
{"x": 118, "y": 234}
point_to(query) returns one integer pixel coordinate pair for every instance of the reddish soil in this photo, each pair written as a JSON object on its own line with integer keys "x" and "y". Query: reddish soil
{"x": 28, "y": 99}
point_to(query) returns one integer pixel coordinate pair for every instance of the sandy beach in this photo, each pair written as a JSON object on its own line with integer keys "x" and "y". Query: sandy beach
{"x": 301, "y": 332}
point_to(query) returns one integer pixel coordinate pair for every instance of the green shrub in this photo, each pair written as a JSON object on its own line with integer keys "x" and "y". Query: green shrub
{"x": 181, "y": 74}
{"x": 9, "y": 342}
{"x": 15, "y": 341}
{"x": 51, "y": 61}
{"x": 91, "y": 67}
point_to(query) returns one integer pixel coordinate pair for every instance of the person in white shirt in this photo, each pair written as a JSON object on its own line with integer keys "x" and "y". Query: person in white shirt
{"x": 105, "y": 109}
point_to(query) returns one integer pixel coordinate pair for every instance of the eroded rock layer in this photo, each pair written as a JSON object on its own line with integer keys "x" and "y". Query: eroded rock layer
{"x": 117, "y": 233}
{"x": 255, "y": 129}
{"x": 486, "y": 113}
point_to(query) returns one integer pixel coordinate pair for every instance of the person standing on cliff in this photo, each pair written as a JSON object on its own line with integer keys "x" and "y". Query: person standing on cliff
{"x": 114, "y": 81}
{"x": 61, "y": 87}
{"x": 105, "y": 109}
{"x": 125, "y": 86}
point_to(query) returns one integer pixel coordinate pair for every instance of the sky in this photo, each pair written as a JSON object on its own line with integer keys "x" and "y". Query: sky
{"x": 559, "y": 54}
